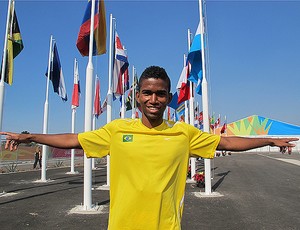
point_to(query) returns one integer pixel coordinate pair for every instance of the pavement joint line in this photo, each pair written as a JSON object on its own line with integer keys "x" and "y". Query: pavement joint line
{"x": 291, "y": 161}
{"x": 204, "y": 195}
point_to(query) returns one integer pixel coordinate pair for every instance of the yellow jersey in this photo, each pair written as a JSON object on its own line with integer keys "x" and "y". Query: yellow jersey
{"x": 148, "y": 169}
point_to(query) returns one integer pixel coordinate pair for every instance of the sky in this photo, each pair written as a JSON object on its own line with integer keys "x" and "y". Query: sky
{"x": 253, "y": 56}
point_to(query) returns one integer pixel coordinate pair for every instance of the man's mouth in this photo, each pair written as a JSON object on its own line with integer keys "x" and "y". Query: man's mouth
{"x": 153, "y": 109}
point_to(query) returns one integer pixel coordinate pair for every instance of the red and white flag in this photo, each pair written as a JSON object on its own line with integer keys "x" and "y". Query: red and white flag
{"x": 97, "y": 100}
{"x": 120, "y": 67}
{"x": 183, "y": 86}
{"x": 76, "y": 87}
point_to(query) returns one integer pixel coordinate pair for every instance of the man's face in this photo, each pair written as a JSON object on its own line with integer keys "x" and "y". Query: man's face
{"x": 153, "y": 98}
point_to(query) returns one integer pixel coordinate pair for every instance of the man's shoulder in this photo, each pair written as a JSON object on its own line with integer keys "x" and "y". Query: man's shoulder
{"x": 123, "y": 122}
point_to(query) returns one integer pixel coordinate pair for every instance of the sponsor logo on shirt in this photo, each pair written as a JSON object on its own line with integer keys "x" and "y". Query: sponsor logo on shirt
{"x": 127, "y": 138}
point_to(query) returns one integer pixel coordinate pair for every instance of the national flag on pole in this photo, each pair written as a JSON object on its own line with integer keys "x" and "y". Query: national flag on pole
{"x": 97, "y": 100}
{"x": 195, "y": 60}
{"x": 14, "y": 46}
{"x": 183, "y": 86}
{"x": 224, "y": 127}
{"x": 169, "y": 113}
{"x": 104, "y": 105}
{"x": 120, "y": 66}
{"x": 128, "y": 102}
{"x": 83, "y": 40}
{"x": 76, "y": 87}
{"x": 56, "y": 75}
{"x": 174, "y": 102}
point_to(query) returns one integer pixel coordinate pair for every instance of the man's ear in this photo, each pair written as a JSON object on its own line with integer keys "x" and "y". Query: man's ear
{"x": 137, "y": 96}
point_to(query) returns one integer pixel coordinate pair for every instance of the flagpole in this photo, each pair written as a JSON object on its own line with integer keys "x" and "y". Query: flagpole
{"x": 186, "y": 108}
{"x": 109, "y": 93}
{"x": 123, "y": 95}
{"x": 73, "y": 121}
{"x": 94, "y": 118}
{"x": 191, "y": 111}
{"x": 133, "y": 94}
{"x": 207, "y": 162}
{"x": 2, "y": 85}
{"x": 87, "y": 196}
{"x": 46, "y": 113}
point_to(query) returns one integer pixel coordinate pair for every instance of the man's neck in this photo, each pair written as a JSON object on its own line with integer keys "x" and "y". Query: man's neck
{"x": 151, "y": 124}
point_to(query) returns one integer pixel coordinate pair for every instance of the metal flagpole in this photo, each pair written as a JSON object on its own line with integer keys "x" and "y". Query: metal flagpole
{"x": 191, "y": 111}
{"x": 46, "y": 113}
{"x": 87, "y": 196}
{"x": 207, "y": 162}
{"x": 94, "y": 119}
{"x": 109, "y": 93}
{"x": 133, "y": 94}
{"x": 123, "y": 96}
{"x": 73, "y": 119}
{"x": 2, "y": 85}
{"x": 186, "y": 108}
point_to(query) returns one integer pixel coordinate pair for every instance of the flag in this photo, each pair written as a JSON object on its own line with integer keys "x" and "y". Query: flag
{"x": 183, "y": 86}
{"x": 104, "y": 105}
{"x": 14, "y": 46}
{"x": 217, "y": 122}
{"x": 212, "y": 122}
{"x": 76, "y": 87}
{"x": 180, "y": 110}
{"x": 174, "y": 102}
{"x": 128, "y": 102}
{"x": 224, "y": 127}
{"x": 97, "y": 101}
{"x": 99, "y": 41}
{"x": 56, "y": 75}
{"x": 169, "y": 113}
{"x": 195, "y": 60}
{"x": 120, "y": 66}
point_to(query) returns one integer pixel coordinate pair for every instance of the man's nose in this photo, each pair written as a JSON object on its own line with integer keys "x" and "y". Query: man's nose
{"x": 153, "y": 98}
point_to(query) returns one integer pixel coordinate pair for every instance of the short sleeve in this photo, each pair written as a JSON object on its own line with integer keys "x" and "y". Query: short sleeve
{"x": 96, "y": 143}
{"x": 202, "y": 144}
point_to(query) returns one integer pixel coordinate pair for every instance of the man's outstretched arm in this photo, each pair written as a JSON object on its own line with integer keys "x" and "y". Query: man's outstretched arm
{"x": 64, "y": 141}
{"x": 233, "y": 143}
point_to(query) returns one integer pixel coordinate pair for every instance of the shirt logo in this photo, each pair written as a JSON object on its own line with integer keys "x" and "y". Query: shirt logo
{"x": 127, "y": 138}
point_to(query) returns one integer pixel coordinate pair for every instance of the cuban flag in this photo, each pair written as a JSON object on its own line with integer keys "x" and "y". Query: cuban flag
{"x": 120, "y": 68}
{"x": 195, "y": 60}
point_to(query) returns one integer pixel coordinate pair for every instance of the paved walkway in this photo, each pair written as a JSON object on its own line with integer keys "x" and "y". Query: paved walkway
{"x": 259, "y": 191}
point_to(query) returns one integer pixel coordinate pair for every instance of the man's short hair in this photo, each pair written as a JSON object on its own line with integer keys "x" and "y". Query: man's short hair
{"x": 155, "y": 72}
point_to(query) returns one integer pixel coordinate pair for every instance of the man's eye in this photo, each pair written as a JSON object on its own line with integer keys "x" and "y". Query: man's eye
{"x": 146, "y": 93}
{"x": 161, "y": 94}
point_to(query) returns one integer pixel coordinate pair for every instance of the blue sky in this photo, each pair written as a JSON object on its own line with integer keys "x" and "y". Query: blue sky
{"x": 253, "y": 62}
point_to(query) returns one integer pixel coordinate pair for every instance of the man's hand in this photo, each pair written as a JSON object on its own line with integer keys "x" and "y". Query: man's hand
{"x": 14, "y": 139}
{"x": 284, "y": 144}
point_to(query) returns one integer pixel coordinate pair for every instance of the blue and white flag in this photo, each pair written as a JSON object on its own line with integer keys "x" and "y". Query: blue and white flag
{"x": 195, "y": 60}
{"x": 56, "y": 75}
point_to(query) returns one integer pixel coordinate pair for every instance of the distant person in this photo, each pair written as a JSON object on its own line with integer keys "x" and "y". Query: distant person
{"x": 37, "y": 157}
{"x": 149, "y": 157}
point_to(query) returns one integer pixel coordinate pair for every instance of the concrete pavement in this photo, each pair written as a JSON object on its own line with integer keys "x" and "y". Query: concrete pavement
{"x": 259, "y": 191}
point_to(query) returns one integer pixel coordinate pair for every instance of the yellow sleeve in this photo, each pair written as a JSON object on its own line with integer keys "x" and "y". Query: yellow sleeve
{"x": 96, "y": 143}
{"x": 203, "y": 144}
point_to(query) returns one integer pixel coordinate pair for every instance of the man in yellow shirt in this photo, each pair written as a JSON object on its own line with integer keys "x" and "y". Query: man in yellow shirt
{"x": 148, "y": 157}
